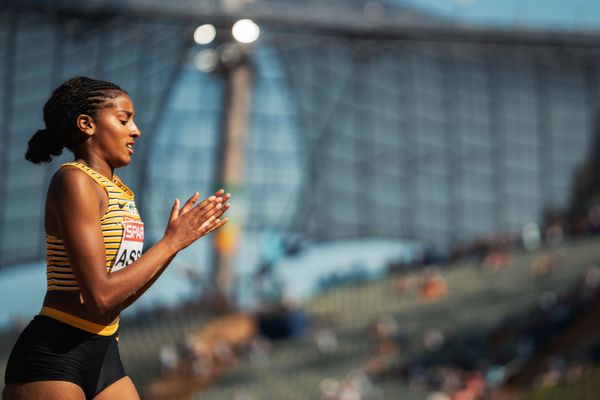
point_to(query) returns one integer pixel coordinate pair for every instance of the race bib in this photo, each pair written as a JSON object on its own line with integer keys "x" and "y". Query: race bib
{"x": 131, "y": 245}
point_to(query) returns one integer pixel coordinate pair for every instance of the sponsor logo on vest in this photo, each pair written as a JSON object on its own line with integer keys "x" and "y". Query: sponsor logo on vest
{"x": 131, "y": 244}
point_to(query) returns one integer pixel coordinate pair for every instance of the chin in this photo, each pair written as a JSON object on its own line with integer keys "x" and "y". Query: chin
{"x": 121, "y": 163}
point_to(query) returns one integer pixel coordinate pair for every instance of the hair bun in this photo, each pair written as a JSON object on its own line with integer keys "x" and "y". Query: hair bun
{"x": 43, "y": 146}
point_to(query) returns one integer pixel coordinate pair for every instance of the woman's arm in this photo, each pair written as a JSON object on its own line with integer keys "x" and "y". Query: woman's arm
{"x": 175, "y": 213}
{"x": 75, "y": 203}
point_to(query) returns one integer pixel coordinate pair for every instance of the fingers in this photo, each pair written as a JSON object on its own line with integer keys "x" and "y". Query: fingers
{"x": 202, "y": 210}
{"x": 202, "y": 206}
{"x": 211, "y": 215}
{"x": 218, "y": 210}
{"x": 217, "y": 224}
{"x": 207, "y": 224}
{"x": 226, "y": 197}
{"x": 222, "y": 195}
{"x": 174, "y": 211}
{"x": 194, "y": 220}
{"x": 188, "y": 204}
{"x": 215, "y": 221}
{"x": 211, "y": 212}
{"x": 202, "y": 216}
{"x": 212, "y": 225}
{"x": 205, "y": 202}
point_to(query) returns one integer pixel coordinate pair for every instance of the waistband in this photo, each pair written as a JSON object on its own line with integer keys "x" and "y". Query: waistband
{"x": 92, "y": 327}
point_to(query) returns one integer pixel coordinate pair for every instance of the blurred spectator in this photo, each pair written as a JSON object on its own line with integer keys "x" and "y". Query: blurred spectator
{"x": 591, "y": 279}
{"x": 473, "y": 390}
{"x": 329, "y": 389}
{"x": 497, "y": 259}
{"x": 258, "y": 351}
{"x": 544, "y": 264}
{"x": 326, "y": 340}
{"x": 434, "y": 285}
{"x": 383, "y": 328}
{"x": 531, "y": 236}
{"x": 243, "y": 396}
{"x": 433, "y": 340}
{"x": 437, "y": 396}
{"x": 555, "y": 233}
{"x": 222, "y": 352}
{"x": 356, "y": 386}
{"x": 593, "y": 218}
{"x": 168, "y": 358}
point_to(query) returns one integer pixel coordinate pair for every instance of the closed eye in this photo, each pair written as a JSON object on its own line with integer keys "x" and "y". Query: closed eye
{"x": 123, "y": 122}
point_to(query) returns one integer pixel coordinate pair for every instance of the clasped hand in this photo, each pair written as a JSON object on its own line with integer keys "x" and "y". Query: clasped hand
{"x": 191, "y": 222}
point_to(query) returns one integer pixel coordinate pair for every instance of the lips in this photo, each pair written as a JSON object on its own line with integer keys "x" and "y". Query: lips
{"x": 130, "y": 147}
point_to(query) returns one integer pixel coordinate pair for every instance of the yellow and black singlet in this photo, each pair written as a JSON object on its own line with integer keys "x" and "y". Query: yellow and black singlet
{"x": 123, "y": 233}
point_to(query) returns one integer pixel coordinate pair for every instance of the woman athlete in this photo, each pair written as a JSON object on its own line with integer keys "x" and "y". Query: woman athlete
{"x": 94, "y": 235}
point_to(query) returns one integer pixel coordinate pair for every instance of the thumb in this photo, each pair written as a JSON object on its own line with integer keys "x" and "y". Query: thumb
{"x": 174, "y": 211}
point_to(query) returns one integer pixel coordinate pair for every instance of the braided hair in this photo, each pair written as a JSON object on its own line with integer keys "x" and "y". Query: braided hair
{"x": 79, "y": 95}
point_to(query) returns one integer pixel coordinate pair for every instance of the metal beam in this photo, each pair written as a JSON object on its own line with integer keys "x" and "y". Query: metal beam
{"x": 334, "y": 18}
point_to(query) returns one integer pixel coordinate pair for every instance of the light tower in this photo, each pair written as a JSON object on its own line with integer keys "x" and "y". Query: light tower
{"x": 230, "y": 59}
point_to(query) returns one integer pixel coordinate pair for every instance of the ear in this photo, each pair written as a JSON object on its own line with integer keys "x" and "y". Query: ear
{"x": 86, "y": 124}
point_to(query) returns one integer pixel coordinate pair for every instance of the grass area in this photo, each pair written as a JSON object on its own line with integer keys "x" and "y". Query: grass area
{"x": 476, "y": 301}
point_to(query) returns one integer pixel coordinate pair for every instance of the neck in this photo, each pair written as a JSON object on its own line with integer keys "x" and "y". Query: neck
{"x": 97, "y": 165}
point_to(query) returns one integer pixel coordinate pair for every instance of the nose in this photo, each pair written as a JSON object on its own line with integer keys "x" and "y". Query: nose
{"x": 135, "y": 132}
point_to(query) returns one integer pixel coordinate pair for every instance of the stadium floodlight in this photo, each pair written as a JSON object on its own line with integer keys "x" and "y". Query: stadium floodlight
{"x": 245, "y": 31}
{"x": 206, "y": 60}
{"x": 204, "y": 34}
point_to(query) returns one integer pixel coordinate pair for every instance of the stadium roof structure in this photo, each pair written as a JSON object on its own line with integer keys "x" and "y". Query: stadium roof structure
{"x": 360, "y": 18}
{"x": 403, "y": 76}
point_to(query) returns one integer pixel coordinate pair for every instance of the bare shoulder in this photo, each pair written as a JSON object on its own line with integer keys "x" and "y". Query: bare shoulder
{"x": 70, "y": 184}
{"x": 69, "y": 178}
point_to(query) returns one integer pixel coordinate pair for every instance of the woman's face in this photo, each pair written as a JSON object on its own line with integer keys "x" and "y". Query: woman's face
{"x": 115, "y": 132}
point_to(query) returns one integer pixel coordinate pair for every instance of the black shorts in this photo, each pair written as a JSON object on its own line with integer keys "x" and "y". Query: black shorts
{"x": 49, "y": 350}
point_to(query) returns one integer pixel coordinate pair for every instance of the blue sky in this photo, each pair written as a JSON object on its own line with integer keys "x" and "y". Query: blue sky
{"x": 580, "y": 14}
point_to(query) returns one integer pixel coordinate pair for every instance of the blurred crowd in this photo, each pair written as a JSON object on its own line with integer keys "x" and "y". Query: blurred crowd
{"x": 459, "y": 365}
{"x": 463, "y": 365}
{"x": 494, "y": 252}
{"x": 448, "y": 365}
